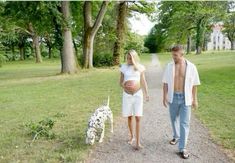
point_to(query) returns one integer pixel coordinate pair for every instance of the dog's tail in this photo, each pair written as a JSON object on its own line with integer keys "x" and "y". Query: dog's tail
{"x": 108, "y": 101}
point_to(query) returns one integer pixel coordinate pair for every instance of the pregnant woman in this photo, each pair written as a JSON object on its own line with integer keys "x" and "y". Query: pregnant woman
{"x": 134, "y": 85}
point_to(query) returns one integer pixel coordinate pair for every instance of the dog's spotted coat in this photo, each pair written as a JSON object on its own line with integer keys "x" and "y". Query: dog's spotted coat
{"x": 96, "y": 124}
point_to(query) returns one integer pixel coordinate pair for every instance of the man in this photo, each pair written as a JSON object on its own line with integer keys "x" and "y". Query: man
{"x": 180, "y": 82}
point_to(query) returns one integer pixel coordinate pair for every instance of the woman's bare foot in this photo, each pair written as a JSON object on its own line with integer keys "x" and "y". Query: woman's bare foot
{"x": 131, "y": 141}
{"x": 138, "y": 147}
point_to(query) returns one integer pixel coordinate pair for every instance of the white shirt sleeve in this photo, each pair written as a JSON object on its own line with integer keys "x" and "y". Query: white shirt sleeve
{"x": 164, "y": 78}
{"x": 196, "y": 80}
{"x": 122, "y": 68}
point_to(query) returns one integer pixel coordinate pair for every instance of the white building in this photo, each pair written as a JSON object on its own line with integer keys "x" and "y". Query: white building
{"x": 218, "y": 40}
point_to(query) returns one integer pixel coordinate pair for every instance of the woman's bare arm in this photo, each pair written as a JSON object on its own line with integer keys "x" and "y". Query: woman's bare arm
{"x": 144, "y": 84}
{"x": 121, "y": 80}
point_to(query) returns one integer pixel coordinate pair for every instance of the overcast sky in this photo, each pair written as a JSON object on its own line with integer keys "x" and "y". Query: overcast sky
{"x": 141, "y": 25}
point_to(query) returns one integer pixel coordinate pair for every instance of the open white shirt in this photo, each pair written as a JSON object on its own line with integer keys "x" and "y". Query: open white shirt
{"x": 191, "y": 79}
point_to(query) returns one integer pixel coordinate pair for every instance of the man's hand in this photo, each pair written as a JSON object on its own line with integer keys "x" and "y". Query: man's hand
{"x": 165, "y": 102}
{"x": 195, "y": 104}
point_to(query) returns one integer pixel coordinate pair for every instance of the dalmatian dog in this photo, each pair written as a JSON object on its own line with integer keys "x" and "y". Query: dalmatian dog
{"x": 96, "y": 124}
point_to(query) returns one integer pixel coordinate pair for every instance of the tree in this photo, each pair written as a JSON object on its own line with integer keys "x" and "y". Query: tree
{"x": 90, "y": 30}
{"x": 178, "y": 21}
{"x": 68, "y": 57}
{"x": 134, "y": 41}
{"x": 52, "y": 36}
{"x": 229, "y": 28}
{"x": 156, "y": 39}
{"x": 207, "y": 12}
{"x": 161, "y": 36}
{"x": 30, "y": 17}
{"x": 36, "y": 43}
{"x": 120, "y": 31}
{"x": 127, "y": 9}
{"x": 22, "y": 43}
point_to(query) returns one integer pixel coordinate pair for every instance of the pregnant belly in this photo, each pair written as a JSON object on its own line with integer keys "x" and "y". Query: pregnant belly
{"x": 131, "y": 86}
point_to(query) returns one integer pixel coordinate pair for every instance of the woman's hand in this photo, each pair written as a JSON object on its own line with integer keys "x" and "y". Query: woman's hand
{"x": 147, "y": 98}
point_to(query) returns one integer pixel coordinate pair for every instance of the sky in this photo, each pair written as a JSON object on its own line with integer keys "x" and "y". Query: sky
{"x": 140, "y": 24}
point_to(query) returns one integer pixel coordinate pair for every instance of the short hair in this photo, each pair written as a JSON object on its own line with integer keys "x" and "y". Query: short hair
{"x": 177, "y": 48}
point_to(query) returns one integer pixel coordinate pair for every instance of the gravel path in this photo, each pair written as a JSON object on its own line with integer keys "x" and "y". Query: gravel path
{"x": 155, "y": 134}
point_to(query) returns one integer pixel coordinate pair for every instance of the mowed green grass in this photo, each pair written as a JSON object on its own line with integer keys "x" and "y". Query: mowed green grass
{"x": 33, "y": 92}
{"x": 216, "y": 94}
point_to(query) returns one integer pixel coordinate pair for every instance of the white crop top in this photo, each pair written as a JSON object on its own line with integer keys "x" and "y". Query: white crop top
{"x": 129, "y": 72}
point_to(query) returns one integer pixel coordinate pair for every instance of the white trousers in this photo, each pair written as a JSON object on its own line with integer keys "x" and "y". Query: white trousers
{"x": 132, "y": 105}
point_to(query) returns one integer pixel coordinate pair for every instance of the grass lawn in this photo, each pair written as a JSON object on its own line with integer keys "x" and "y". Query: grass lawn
{"x": 33, "y": 92}
{"x": 216, "y": 94}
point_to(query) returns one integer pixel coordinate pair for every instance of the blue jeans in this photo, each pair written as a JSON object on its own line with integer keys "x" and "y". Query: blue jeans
{"x": 180, "y": 118}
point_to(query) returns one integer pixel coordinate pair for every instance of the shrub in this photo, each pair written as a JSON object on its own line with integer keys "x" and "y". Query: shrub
{"x": 102, "y": 59}
{"x": 41, "y": 129}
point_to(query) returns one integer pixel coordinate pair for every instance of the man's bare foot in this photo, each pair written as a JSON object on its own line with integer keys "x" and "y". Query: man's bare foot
{"x": 131, "y": 141}
{"x": 138, "y": 147}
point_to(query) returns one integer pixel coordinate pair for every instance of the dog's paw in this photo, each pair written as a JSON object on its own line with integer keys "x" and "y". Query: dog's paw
{"x": 100, "y": 141}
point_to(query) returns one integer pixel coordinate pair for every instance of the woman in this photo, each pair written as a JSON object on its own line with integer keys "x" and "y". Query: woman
{"x": 132, "y": 81}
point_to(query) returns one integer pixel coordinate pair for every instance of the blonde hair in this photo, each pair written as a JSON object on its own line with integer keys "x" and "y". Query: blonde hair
{"x": 135, "y": 59}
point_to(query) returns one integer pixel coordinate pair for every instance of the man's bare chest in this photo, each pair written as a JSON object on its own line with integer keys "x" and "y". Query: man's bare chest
{"x": 180, "y": 71}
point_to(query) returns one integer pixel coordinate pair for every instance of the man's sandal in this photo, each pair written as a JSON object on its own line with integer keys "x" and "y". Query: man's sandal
{"x": 173, "y": 141}
{"x": 184, "y": 155}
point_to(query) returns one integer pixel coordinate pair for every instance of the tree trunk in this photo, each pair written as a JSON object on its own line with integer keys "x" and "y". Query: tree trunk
{"x": 200, "y": 35}
{"x": 13, "y": 52}
{"x": 32, "y": 51}
{"x": 204, "y": 45}
{"x": 87, "y": 33}
{"x": 21, "y": 53}
{"x": 120, "y": 32}
{"x": 24, "y": 53}
{"x": 48, "y": 44}
{"x": 232, "y": 44}
{"x": 90, "y": 31}
{"x": 76, "y": 53}
{"x": 36, "y": 46}
{"x": 49, "y": 52}
{"x": 198, "y": 39}
{"x": 75, "y": 48}
{"x": 189, "y": 44}
{"x": 88, "y": 50}
{"x": 68, "y": 63}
